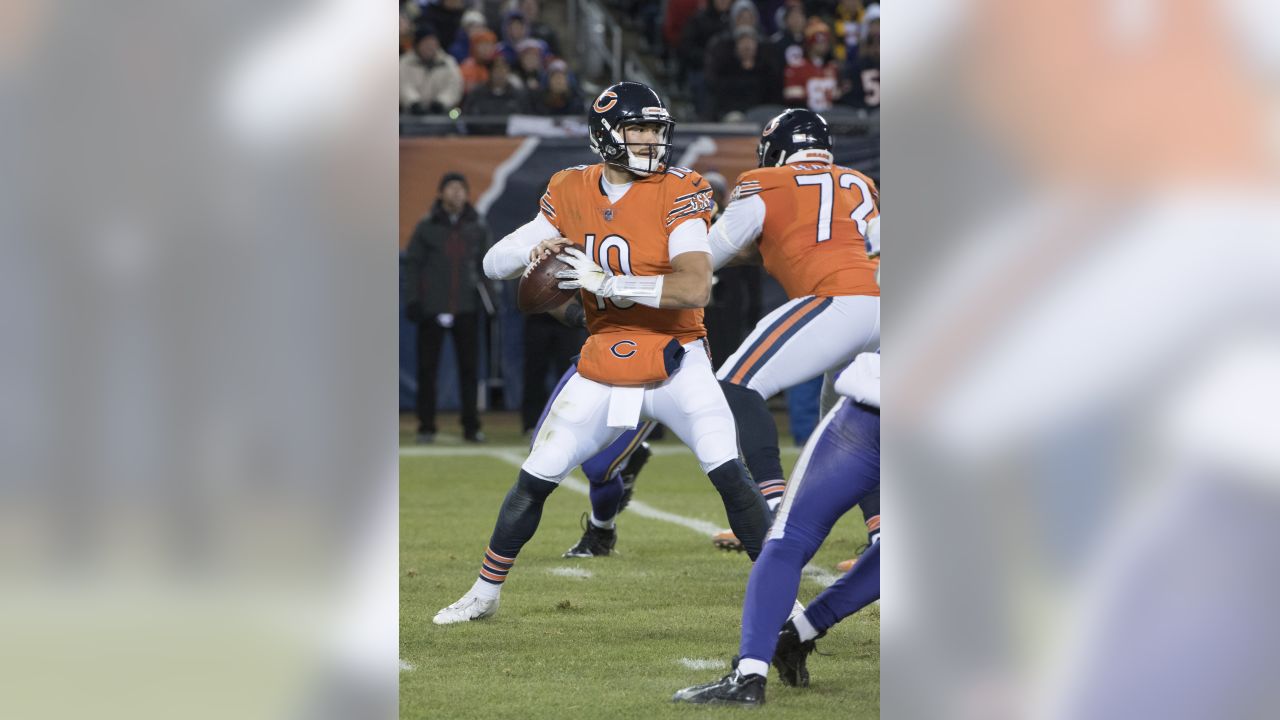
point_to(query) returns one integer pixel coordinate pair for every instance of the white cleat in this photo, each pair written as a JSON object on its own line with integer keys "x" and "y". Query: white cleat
{"x": 470, "y": 607}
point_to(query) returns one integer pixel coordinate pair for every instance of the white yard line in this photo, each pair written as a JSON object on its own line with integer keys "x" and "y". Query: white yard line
{"x": 572, "y": 572}
{"x": 700, "y": 664}
{"x": 515, "y": 456}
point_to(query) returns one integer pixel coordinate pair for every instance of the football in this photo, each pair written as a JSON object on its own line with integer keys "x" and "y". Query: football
{"x": 539, "y": 289}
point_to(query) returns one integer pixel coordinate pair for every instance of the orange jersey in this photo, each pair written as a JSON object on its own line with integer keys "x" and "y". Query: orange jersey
{"x": 815, "y": 218}
{"x": 629, "y": 237}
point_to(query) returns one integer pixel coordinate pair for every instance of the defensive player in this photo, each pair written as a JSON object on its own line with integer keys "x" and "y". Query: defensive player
{"x": 840, "y": 465}
{"x": 639, "y": 255}
{"x": 806, "y": 219}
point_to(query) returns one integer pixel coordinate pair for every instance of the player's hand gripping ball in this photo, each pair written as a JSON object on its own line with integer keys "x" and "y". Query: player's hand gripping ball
{"x": 539, "y": 289}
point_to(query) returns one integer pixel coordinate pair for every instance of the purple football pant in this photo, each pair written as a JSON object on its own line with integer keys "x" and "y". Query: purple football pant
{"x": 839, "y": 466}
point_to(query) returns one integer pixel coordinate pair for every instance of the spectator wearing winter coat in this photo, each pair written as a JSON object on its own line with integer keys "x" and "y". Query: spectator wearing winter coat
{"x": 532, "y": 11}
{"x": 748, "y": 78}
{"x": 501, "y": 96}
{"x": 430, "y": 81}
{"x": 561, "y": 95}
{"x": 531, "y": 67}
{"x": 461, "y": 47}
{"x": 442, "y": 279}
{"x": 475, "y": 69}
{"x": 446, "y": 17}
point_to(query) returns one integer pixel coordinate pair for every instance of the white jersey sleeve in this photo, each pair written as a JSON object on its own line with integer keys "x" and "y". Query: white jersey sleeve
{"x": 861, "y": 380}
{"x": 689, "y": 236}
{"x": 509, "y": 257}
{"x": 738, "y": 227}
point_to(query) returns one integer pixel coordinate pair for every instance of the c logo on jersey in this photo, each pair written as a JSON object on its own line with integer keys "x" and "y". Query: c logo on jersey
{"x": 624, "y": 355}
{"x": 601, "y": 105}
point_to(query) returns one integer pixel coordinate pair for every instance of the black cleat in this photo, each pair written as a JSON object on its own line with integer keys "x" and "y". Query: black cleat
{"x": 791, "y": 656}
{"x": 631, "y": 471}
{"x": 595, "y": 542}
{"x": 732, "y": 689}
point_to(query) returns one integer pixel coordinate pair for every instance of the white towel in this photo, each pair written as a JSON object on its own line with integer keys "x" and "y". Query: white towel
{"x": 624, "y": 406}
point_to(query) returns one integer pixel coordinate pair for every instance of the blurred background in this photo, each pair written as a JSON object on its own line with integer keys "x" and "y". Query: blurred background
{"x": 497, "y": 92}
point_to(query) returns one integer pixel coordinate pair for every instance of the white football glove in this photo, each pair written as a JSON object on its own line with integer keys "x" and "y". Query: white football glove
{"x": 585, "y": 275}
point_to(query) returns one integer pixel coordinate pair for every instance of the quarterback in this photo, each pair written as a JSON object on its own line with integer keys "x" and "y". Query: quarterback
{"x": 634, "y": 230}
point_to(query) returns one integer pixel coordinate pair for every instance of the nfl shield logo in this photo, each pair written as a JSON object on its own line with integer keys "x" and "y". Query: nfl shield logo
{"x": 608, "y": 214}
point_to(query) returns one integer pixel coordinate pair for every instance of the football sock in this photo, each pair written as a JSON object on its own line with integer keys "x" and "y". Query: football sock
{"x": 804, "y": 627}
{"x": 773, "y": 490}
{"x": 870, "y": 506}
{"x": 751, "y": 666}
{"x": 606, "y": 524}
{"x": 757, "y": 435}
{"x": 854, "y": 590}
{"x": 517, "y": 522}
{"x": 748, "y": 514}
{"x": 605, "y": 499}
{"x": 603, "y": 471}
{"x": 485, "y": 589}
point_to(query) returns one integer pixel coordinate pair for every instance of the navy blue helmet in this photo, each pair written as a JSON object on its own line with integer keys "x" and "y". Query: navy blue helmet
{"x": 628, "y": 103}
{"x": 792, "y": 131}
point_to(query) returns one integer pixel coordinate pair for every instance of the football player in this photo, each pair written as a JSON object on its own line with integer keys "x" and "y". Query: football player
{"x": 807, "y": 220}
{"x": 839, "y": 467}
{"x": 634, "y": 231}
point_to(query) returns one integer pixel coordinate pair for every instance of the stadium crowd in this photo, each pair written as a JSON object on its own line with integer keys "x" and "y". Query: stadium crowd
{"x": 481, "y": 57}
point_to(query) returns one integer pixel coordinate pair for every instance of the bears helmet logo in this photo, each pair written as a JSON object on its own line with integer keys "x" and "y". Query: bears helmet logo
{"x": 601, "y": 105}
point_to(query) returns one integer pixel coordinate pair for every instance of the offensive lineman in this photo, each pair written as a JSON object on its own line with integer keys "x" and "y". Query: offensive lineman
{"x": 645, "y": 276}
{"x": 807, "y": 219}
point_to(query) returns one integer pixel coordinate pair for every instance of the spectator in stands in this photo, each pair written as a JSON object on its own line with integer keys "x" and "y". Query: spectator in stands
{"x": 532, "y": 11}
{"x": 406, "y": 34}
{"x": 471, "y": 21}
{"x": 441, "y": 281}
{"x": 678, "y": 15}
{"x": 514, "y": 31}
{"x": 746, "y": 79}
{"x": 531, "y": 66}
{"x": 501, "y": 96}
{"x": 561, "y": 95}
{"x": 722, "y": 49}
{"x": 862, "y": 71}
{"x": 475, "y": 70}
{"x": 430, "y": 82}
{"x": 787, "y": 44}
{"x": 708, "y": 23}
{"x": 848, "y": 29}
{"x": 446, "y": 17}
{"x": 814, "y": 82}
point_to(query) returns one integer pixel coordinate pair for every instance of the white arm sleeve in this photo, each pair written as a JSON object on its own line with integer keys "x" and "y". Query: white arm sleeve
{"x": 509, "y": 257}
{"x": 689, "y": 236}
{"x": 740, "y": 225}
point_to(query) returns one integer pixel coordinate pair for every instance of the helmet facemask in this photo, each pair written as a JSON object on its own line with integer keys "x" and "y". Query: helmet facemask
{"x": 622, "y": 154}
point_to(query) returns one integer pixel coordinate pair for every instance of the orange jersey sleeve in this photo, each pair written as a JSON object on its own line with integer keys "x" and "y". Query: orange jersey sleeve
{"x": 629, "y": 237}
{"x": 813, "y": 239}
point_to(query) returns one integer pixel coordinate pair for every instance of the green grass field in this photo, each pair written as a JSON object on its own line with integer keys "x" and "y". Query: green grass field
{"x": 606, "y": 646}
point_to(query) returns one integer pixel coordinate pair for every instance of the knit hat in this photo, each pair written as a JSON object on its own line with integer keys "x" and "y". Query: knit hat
{"x": 452, "y": 177}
